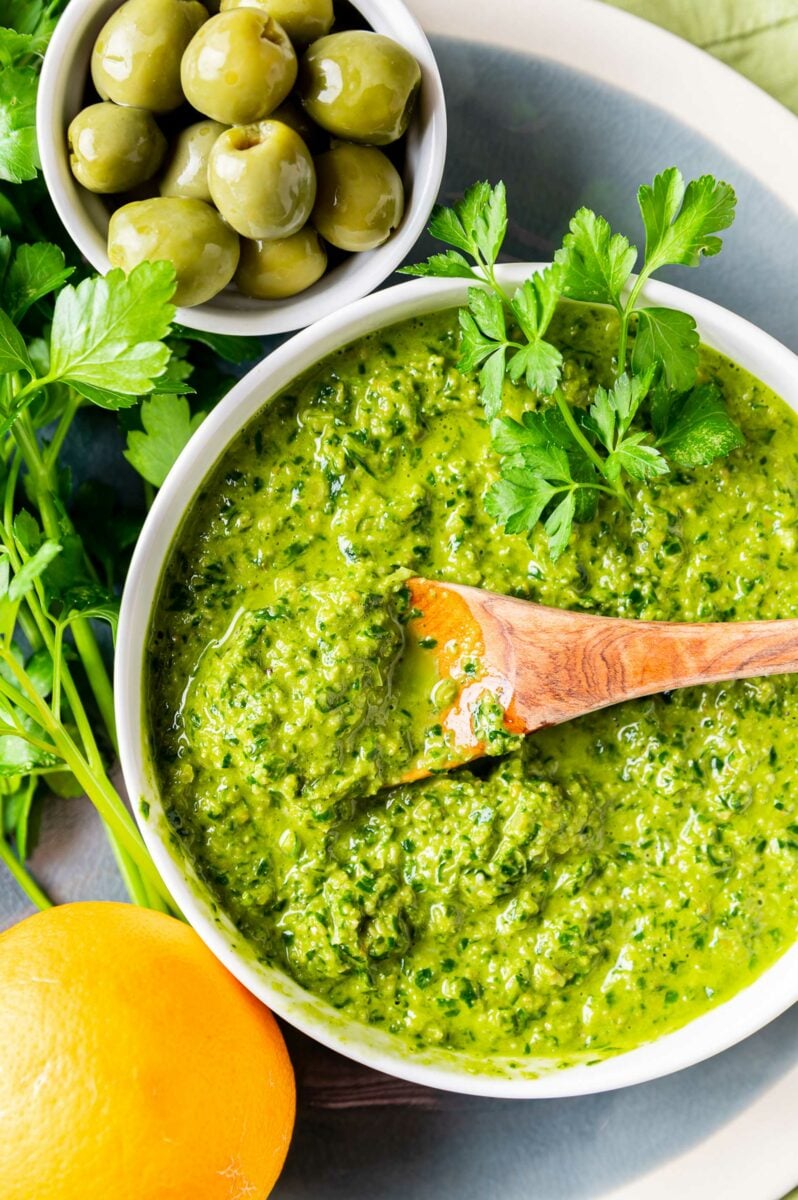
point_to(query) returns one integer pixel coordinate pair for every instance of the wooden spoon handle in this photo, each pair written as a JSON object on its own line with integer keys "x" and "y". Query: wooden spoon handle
{"x": 561, "y": 664}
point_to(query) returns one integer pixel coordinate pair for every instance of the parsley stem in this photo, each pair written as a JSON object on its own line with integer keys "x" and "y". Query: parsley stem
{"x": 131, "y": 877}
{"x": 27, "y": 625}
{"x": 626, "y": 313}
{"x": 95, "y": 784}
{"x": 62, "y": 429}
{"x": 85, "y": 641}
{"x": 11, "y": 489}
{"x": 576, "y": 433}
{"x": 23, "y": 877}
{"x": 67, "y": 683}
{"x": 139, "y": 890}
{"x": 497, "y": 287}
{"x": 32, "y": 387}
{"x": 601, "y": 487}
{"x": 126, "y": 866}
{"x": 97, "y": 675}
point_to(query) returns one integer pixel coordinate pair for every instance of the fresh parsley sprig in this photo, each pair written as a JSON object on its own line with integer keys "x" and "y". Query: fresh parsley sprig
{"x": 478, "y": 226}
{"x": 556, "y": 463}
{"x": 681, "y": 226}
{"x": 68, "y": 342}
{"x": 103, "y": 341}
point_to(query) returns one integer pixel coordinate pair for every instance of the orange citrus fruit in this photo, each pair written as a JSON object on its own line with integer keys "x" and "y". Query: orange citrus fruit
{"x": 133, "y": 1066}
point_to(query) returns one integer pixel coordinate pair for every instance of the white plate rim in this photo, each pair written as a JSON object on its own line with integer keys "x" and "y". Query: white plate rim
{"x": 632, "y": 55}
{"x": 742, "y": 1157}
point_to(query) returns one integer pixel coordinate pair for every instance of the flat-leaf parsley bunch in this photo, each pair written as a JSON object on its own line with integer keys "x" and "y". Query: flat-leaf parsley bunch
{"x": 69, "y": 341}
{"x": 559, "y": 460}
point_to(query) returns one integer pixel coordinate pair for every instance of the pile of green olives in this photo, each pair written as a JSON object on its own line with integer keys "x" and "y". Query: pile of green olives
{"x": 245, "y": 147}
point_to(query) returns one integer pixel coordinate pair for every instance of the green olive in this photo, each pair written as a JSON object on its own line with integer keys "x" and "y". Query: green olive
{"x": 136, "y": 58}
{"x": 273, "y": 270}
{"x": 360, "y": 85}
{"x": 262, "y": 179}
{"x": 302, "y": 20}
{"x": 360, "y": 199}
{"x": 113, "y": 149}
{"x": 188, "y": 233}
{"x": 239, "y": 67}
{"x": 293, "y": 115}
{"x": 186, "y": 172}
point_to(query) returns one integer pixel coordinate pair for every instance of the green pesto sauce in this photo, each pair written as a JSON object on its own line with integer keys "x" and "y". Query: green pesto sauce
{"x": 581, "y": 891}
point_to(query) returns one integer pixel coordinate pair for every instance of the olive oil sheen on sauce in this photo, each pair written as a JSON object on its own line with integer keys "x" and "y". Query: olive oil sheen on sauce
{"x": 581, "y": 891}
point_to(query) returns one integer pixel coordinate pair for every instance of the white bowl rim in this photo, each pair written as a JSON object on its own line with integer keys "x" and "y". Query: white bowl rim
{"x": 715, "y": 1030}
{"x": 230, "y": 312}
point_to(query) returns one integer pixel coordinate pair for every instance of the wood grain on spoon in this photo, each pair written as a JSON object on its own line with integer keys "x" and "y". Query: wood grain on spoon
{"x": 546, "y": 665}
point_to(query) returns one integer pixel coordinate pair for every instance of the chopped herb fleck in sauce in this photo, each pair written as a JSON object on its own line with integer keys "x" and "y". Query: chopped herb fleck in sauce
{"x": 579, "y": 891}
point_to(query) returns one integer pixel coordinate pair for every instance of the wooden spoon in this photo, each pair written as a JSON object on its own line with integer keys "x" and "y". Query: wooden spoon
{"x": 546, "y": 665}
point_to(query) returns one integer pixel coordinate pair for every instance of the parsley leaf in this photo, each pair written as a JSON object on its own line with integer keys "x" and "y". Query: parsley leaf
{"x": 90, "y": 601}
{"x": 533, "y": 305}
{"x": 448, "y": 265}
{"x": 681, "y": 223}
{"x": 491, "y": 382}
{"x": 476, "y": 349}
{"x": 34, "y": 272}
{"x": 613, "y": 410}
{"x": 28, "y": 26}
{"x": 518, "y": 499}
{"x": 168, "y": 425}
{"x": 475, "y": 346}
{"x": 596, "y": 263}
{"x": 535, "y": 301}
{"x": 24, "y": 579}
{"x": 484, "y": 341}
{"x": 535, "y": 429}
{"x": 15, "y": 45}
{"x": 107, "y": 334}
{"x": 488, "y": 312}
{"x": 490, "y": 224}
{"x": 610, "y": 416}
{"x": 559, "y": 524}
{"x": 31, "y": 17}
{"x": 456, "y": 226}
{"x": 19, "y": 818}
{"x": 515, "y": 440}
{"x": 19, "y": 153}
{"x": 555, "y": 464}
{"x": 233, "y": 349}
{"x": 696, "y": 428}
{"x": 540, "y": 364}
{"x": 17, "y": 755}
{"x": 13, "y": 352}
{"x": 637, "y": 458}
{"x": 668, "y": 339}
{"x": 477, "y": 225}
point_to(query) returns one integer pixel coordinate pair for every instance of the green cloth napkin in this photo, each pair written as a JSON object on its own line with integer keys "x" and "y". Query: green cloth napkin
{"x": 759, "y": 38}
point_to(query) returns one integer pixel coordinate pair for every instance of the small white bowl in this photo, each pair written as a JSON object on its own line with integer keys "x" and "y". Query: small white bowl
{"x": 715, "y": 1030}
{"x": 61, "y": 96}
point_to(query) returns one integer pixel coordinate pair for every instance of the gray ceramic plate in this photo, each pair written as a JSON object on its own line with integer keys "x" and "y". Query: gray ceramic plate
{"x": 547, "y": 119}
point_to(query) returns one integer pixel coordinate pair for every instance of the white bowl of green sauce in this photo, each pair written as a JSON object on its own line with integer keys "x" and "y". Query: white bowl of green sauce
{"x": 764, "y": 993}
{"x": 65, "y": 79}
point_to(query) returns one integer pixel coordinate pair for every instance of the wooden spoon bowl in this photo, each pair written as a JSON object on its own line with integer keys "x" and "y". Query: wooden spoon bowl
{"x": 546, "y": 665}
